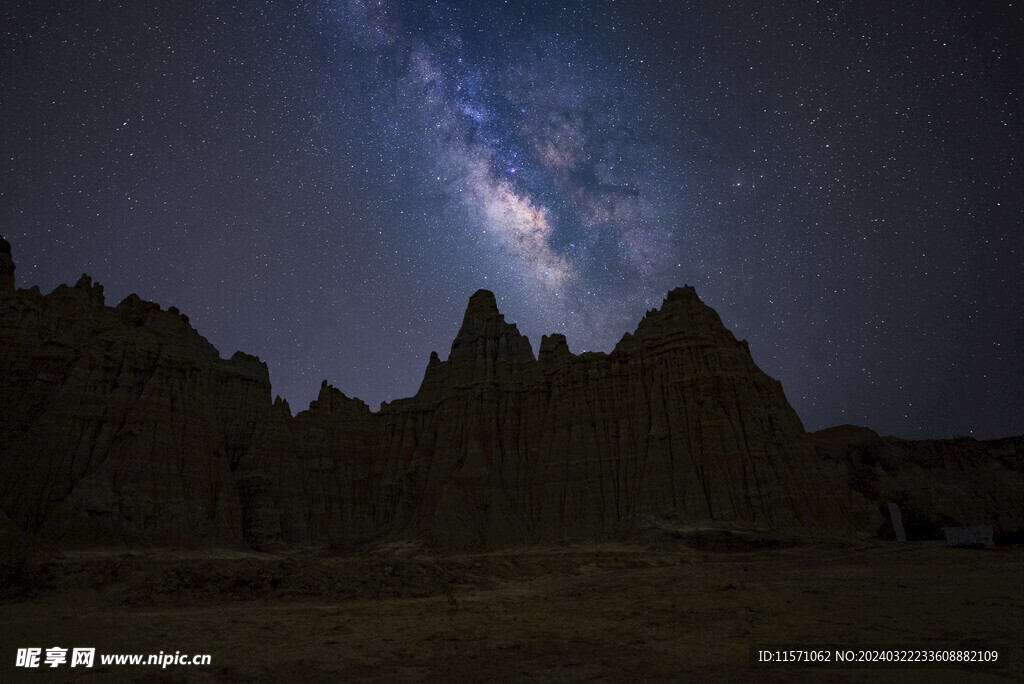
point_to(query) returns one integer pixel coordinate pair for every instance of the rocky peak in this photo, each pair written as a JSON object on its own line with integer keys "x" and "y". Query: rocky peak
{"x": 134, "y": 310}
{"x": 6, "y": 266}
{"x": 434, "y": 376}
{"x": 481, "y": 307}
{"x": 553, "y": 348}
{"x": 486, "y": 345}
{"x": 682, "y": 314}
{"x": 282, "y": 406}
{"x": 332, "y": 401}
{"x": 93, "y": 290}
{"x": 680, "y": 304}
{"x": 686, "y": 293}
{"x": 247, "y": 365}
{"x": 482, "y": 319}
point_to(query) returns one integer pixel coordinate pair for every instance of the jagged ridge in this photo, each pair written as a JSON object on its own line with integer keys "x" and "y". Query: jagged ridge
{"x": 124, "y": 425}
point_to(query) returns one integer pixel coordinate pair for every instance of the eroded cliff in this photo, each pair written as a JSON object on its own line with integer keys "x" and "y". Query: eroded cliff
{"x": 123, "y": 425}
{"x": 935, "y": 482}
{"x": 120, "y": 424}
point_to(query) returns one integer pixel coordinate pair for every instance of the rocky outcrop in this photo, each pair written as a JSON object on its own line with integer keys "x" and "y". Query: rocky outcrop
{"x": 122, "y": 425}
{"x": 313, "y": 477}
{"x": 677, "y": 423}
{"x": 498, "y": 447}
{"x": 6, "y": 267}
{"x": 936, "y": 482}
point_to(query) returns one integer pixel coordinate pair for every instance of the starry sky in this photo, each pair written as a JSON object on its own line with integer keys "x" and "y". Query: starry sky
{"x": 324, "y": 184}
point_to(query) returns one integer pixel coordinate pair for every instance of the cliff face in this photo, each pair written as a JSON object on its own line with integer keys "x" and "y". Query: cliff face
{"x": 676, "y": 423}
{"x": 936, "y": 482}
{"x": 6, "y": 267}
{"x": 498, "y": 447}
{"x": 314, "y": 477}
{"x": 122, "y": 425}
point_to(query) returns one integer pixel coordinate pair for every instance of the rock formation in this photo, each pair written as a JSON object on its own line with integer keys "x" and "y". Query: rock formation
{"x": 122, "y": 425}
{"x": 6, "y": 266}
{"x": 935, "y": 482}
{"x": 313, "y": 477}
{"x": 677, "y": 422}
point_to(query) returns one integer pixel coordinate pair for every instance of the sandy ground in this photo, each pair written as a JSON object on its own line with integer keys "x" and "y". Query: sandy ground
{"x": 677, "y": 611}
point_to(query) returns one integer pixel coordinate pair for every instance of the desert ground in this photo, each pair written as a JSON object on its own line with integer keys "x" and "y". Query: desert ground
{"x": 683, "y": 608}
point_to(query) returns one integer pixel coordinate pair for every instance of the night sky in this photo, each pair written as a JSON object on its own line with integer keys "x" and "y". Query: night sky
{"x": 324, "y": 184}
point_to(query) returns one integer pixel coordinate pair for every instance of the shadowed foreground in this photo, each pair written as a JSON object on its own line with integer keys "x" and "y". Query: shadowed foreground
{"x": 686, "y": 609}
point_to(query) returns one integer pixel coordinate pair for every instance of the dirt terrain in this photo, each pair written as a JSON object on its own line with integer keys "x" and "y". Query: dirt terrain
{"x": 686, "y": 608}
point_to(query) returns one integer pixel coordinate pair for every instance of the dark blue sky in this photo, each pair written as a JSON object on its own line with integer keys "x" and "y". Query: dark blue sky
{"x": 325, "y": 184}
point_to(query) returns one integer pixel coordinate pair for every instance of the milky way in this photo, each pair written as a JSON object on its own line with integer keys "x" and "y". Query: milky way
{"x": 539, "y": 153}
{"x": 324, "y": 184}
